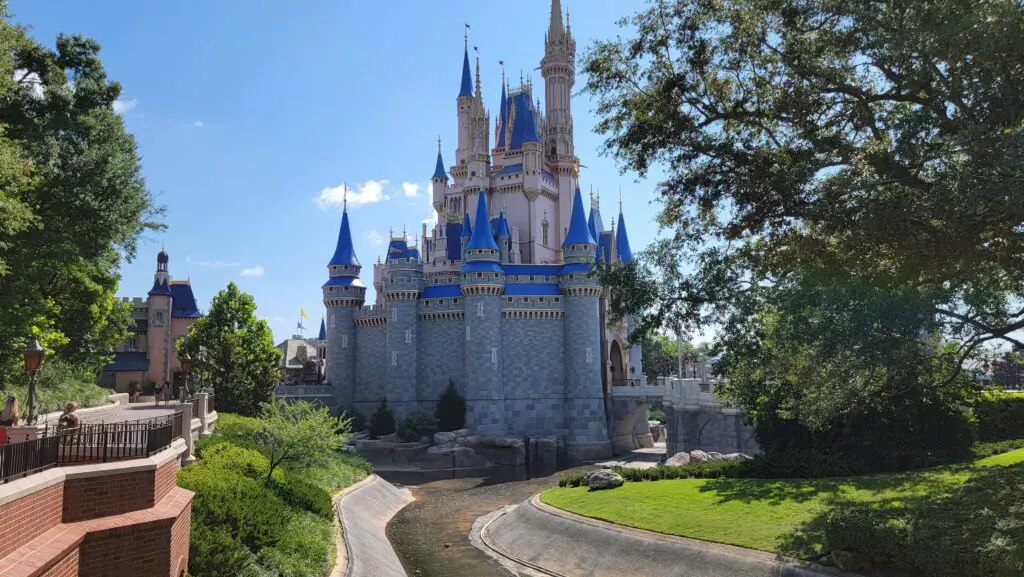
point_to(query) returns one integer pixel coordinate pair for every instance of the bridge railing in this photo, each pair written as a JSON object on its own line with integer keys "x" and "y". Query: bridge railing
{"x": 303, "y": 391}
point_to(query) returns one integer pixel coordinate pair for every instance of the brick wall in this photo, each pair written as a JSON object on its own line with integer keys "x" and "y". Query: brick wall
{"x": 165, "y": 479}
{"x": 25, "y": 519}
{"x": 180, "y": 533}
{"x": 131, "y": 551}
{"x": 66, "y": 567}
{"x": 105, "y": 495}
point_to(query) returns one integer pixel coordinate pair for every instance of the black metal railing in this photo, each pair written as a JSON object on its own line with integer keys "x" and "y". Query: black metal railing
{"x": 177, "y": 424}
{"x": 625, "y": 382}
{"x": 195, "y": 407}
{"x": 27, "y": 457}
{"x": 88, "y": 444}
{"x": 209, "y": 403}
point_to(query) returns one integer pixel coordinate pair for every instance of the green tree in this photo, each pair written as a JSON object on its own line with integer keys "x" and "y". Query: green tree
{"x": 298, "y": 434}
{"x": 451, "y": 408}
{"x": 72, "y": 199}
{"x": 844, "y": 177}
{"x": 235, "y": 351}
{"x": 661, "y": 354}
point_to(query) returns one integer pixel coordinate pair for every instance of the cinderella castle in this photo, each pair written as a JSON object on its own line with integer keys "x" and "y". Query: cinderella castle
{"x": 498, "y": 296}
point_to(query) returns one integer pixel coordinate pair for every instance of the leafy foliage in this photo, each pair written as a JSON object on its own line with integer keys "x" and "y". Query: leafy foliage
{"x": 661, "y": 354}
{"x": 234, "y": 350}
{"x": 451, "y": 409}
{"x": 357, "y": 420}
{"x": 987, "y": 449}
{"x": 832, "y": 170}
{"x": 1000, "y": 417}
{"x": 416, "y": 426}
{"x": 72, "y": 200}
{"x": 298, "y": 434}
{"x": 656, "y": 415}
{"x": 382, "y": 421}
{"x": 59, "y": 382}
{"x": 976, "y": 531}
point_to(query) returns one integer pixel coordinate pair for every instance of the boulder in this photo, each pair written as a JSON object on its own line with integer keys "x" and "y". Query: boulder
{"x": 507, "y": 442}
{"x": 466, "y": 457}
{"x": 737, "y": 457}
{"x": 658, "y": 432}
{"x": 602, "y": 479}
{"x": 678, "y": 460}
{"x": 462, "y": 432}
{"x": 543, "y": 453}
{"x": 391, "y": 438}
{"x": 444, "y": 438}
{"x": 714, "y": 456}
{"x": 699, "y": 456}
{"x": 469, "y": 441}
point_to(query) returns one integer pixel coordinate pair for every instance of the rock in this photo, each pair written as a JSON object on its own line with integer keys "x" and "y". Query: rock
{"x": 714, "y": 456}
{"x": 444, "y": 438}
{"x": 602, "y": 479}
{"x": 441, "y": 450}
{"x": 658, "y": 432}
{"x": 469, "y": 441}
{"x": 507, "y": 442}
{"x": 678, "y": 460}
{"x": 699, "y": 456}
{"x": 392, "y": 438}
{"x": 737, "y": 457}
{"x": 466, "y": 457}
{"x": 462, "y": 432}
{"x": 543, "y": 453}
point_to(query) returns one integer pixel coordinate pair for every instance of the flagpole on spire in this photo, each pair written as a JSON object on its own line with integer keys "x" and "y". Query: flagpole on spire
{"x": 620, "y": 199}
{"x": 344, "y": 197}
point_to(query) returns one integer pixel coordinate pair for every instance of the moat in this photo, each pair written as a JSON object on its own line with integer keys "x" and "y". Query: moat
{"x": 431, "y": 534}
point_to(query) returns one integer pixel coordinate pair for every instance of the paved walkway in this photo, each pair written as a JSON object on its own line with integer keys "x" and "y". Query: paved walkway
{"x": 139, "y": 411}
{"x": 638, "y": 458}
{"x": 541, "y": 540}
{"x": 364, "y": 512}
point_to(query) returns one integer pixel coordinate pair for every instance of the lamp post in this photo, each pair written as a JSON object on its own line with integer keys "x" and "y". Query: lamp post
{"x": 33, "y": 360}
{"x": 186, "y": 367}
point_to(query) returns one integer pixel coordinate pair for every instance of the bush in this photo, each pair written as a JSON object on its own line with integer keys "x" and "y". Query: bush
{"x": 709, "y": 470}
{"x": 382, "y": 422}
{"x": 802, "y": 465}
{"x": 982, "y": 450}
{"x": 416, "y": 426}
{"x": 451, "y": 409}
{"x": 357, "y": 420}
{"x": 975, "y": 532}
{"x": 58, "y": 384}
{"x": 306, "y": 495}
{"x": 1000, "y": 417}
{"x": 571, "y": 480}
{"x": 656, "y": 415}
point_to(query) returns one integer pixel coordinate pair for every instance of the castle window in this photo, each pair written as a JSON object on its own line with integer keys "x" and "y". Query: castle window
{"x": 131, "y": 344}
{"x": 435, "y": 281}
{"x": 509, "y": 299}
{"x": 479, "y": 275}
{"x": 440, "y": 302}
{"x": 558, "y": 300}
{"x": 455, "y": 301}
{"x": 159, "y": 317}
{"x": 526, "y": 299}
{"x": 531, "y": 277}
{"x": 426, "y": 303}
{"x": 544, "y": 232}
{"x": 540, "y": 300}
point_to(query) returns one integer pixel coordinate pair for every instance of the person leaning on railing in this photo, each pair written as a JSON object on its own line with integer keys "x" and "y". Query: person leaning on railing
{"x": 69, "y": 419}
{"x": 9, "y": 417}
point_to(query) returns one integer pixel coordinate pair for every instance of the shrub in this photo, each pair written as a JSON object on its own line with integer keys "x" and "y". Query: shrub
{"x": 571, "y": 480}
{"x": 802, "y": 465}
{"x": 357, "y": 420}
{"x": 709, "y": 470}
{"x": 975, "y": 532}
{"x": 382, "y": 422}
{"x": 451, "y": 409}
{"x": 982, "y": 450}
{"x": 1000, "y": 417}
{"x": 416, "y": 426}
{"x": 656, "y": 415}
{"x": 303, "y": 494}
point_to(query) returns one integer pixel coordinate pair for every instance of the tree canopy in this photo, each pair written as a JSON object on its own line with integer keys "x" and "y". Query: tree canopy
{"x": 234, "y": 350}
{"x": 844, "y": 176}
{"x": 73, "y": 203}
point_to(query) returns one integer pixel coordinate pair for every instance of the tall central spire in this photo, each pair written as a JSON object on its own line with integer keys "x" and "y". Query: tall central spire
{"x": 555, "y": 28}
{"x": 467, "y": 78}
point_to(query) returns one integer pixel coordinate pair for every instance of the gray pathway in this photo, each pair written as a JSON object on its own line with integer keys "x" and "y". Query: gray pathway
{"x": 365, "y": 512}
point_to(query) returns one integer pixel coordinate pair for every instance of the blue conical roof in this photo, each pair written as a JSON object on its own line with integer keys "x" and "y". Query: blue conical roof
{"x": 524, "y": 125}
{"x": 503, "y": 115}
{"x": 503, "y": 226}
{"x": 345, "y": 253}
{"x": 622, "y": 241}
{"x": 323, "y": 330}
{"x": 467, "y": 230}
{"x": 481, "y": 238}
{"x": 439, "y": 171}
{"x": 467, "y": 79}
{"x": 160, "y": 288}
{"x": 579, "y": 232}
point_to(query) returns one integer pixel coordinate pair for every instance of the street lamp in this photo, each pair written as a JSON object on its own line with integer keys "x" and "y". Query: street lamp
{"x": 33, "y": 360}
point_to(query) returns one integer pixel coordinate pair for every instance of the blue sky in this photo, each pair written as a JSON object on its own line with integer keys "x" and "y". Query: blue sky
{"x": 248, "y": 113}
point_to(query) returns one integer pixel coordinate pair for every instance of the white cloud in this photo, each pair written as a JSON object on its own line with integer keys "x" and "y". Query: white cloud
{"x": 122, "y": 106}
{"x": 254, "y": 271}
{"x": 31, "y": 80}
{"x": 370, "y": 192}
{"x": 375, "y": 237}
{"x": 410, "y": 188}
{"x": 220, "y": 263}
{"x": 198, "y": 124}
{"x": 431, "y": 219}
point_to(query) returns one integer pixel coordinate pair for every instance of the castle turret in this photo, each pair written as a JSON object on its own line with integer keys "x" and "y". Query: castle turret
{"x": 483, "y": 282}
{"x": 587, "y": 436}
{"x": 467, "y": 233}
{"x": 343, "y": 294}
{"x": 559, "y": 71}
{"x": 504, "y": 237}
{"x": 404, "y": 280}
{"x": 439, "y": 186}
{"x": 160, "y": 339}
{"x": 466, "y": 106}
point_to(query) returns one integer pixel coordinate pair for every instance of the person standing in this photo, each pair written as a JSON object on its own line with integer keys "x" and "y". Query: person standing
{"x": 9, "y": 417}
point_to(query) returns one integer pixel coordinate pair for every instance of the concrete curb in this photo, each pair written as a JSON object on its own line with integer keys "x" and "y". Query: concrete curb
{"x": 341, "y": 549}
{"x": 538, "y": 539}
{"x": 363, "y": 511}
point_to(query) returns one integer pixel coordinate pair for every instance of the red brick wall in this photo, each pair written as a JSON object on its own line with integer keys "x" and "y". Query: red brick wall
{"x": 131, "y": 551}
{"x": 166, "y": 479}
{"x": 29, "y": 517}
{"x": 94, "y": 497}
{"x": 66, "y": 567}
{"x": 180, "y": 533}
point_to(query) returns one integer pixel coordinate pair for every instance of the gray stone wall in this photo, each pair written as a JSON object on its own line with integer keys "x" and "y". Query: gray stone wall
{"x": 402, "y": 356}
{"x": 585, "y": 409}
{"x": 442, "y": 349}
{"x": 371, "y": 376}
{"x": 341, "y": 347}
{"x": 533, "y": 371}
{"x": 708, "y": 429}
{"x": 484, "y": 389}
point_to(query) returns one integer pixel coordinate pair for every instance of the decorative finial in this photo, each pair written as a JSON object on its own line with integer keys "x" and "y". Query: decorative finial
{"x": 344, "y": 197}
{"x": 405, "y": 235}
{"x": 591, "y": 194}
{"x": 439, "y": 144}
{"x": 391, "y": 232}
{"x": 465, "y": 37}
{"x": 620, "y": 199}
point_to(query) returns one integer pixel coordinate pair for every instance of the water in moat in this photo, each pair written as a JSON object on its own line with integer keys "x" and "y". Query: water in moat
{"x": 431, "y": 534}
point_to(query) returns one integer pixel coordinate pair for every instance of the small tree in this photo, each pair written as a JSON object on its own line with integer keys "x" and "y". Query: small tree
{"x": 298, "y": 434}
{"x": 382, "y": 422}
{"x": 451, "y": 409}
{"x": 416, "y": 426}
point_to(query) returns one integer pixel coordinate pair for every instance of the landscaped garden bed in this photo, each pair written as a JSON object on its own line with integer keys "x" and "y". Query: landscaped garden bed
{"x": 797, "y": 517}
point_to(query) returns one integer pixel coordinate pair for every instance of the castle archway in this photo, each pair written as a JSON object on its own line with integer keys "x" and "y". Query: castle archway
{"x": 617, "y": 368}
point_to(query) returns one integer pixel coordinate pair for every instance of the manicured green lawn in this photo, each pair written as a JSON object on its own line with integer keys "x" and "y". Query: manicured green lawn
{"x": 781, "y": 516}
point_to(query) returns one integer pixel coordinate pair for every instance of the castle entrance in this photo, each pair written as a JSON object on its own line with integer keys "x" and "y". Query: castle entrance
{"x": 618, "y": 370}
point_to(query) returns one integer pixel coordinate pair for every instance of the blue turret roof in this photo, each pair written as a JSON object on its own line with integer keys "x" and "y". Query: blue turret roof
{"x": 160, "y": 288}
{"x": 481, "y": 238}
{"x": 323, "y": 331}
{"x": 467, "y": 230}
{"x": 503, "y": 115}
{"x": 344, "y": 253}
{"x": 503, "y": 226}
{"x": 184, "y": 301}
{"x": 579, "y": 232}
{"x": 467, "y": 79}
{"x": 439, "y": 171}
{"x": 524, "y": 126}
{"x": 622, "y": 241}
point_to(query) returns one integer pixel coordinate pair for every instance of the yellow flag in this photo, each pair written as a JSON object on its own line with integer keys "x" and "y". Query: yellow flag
{"x": 302, "y": 311}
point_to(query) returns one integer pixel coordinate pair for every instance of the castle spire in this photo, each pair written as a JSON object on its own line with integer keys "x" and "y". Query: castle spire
{"x": 555, "y": 27}
{"x": 579, "y": 232}
{"x": 503, "y": 113}
{"x": 439, "y": 171}
{"x": 622, "y": 249}
{"x": 344, "y": 253}
{"x": 479, "y": 94}
{"x": 467, "y": 80}
{"x": 482, "y": 238}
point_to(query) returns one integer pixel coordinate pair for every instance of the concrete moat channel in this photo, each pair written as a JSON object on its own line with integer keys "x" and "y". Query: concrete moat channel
{"x": 431, "y": 534}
